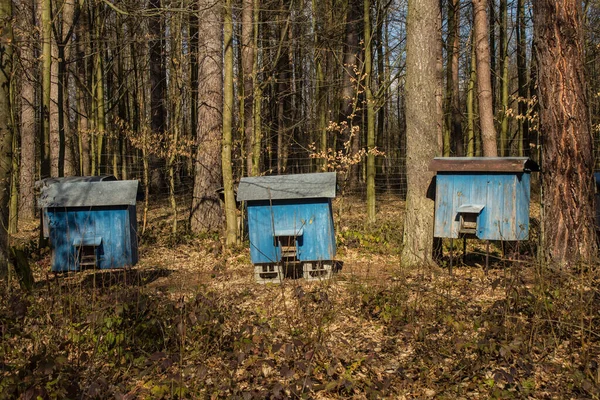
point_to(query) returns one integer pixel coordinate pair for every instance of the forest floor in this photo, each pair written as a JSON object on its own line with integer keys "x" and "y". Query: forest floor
{"x": 189, "y": 321}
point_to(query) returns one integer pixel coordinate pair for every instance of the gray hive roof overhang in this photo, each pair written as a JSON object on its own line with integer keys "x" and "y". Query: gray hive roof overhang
{"x": 483, "y": 164}
{"x": 287, "y": 187}
{"x": 88, "y": 194}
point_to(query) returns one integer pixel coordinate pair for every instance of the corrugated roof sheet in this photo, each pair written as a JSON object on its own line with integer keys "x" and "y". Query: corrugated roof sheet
{"x": 483, "y": 164}
{"x": 89, "y": 194}
{"x": 282, "y": 187}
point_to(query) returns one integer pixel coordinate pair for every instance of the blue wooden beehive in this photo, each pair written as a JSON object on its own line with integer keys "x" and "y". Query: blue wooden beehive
{"x": 90, "y": 224}
{"x": 290, "y": 219}
{"x": 483, "y": 197}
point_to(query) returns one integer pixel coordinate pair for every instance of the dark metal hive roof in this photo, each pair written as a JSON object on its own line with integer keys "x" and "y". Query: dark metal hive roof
{"x": 483, "y": 164}
{"x": 284, "y": 187}
{"x": 89, "y": 194}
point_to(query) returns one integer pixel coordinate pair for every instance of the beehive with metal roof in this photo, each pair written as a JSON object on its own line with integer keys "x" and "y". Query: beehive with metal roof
{"x": 90, "y": 223}
{"x": 484, "y": 197}
{"x": 290, "y": 219}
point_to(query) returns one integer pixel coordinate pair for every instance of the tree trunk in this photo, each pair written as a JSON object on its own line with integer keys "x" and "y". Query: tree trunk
{"x": 256, "y": 98}
{"x": 484, "y": 81}
{"x": 6, "y": 133}
{"x": 158, "y": 79}
{"x": 55, "y": 109}
{"x": 504, "y": 134}
{"x": 100, "y": 106}
{"x": 522, "y": 79}
{"x": 370, "y": 114}
{"x": 454, "y": 143}
{"x": 28, "y": 126}
{"x": 46, "y": 22}
{"x": 248, "y": 77}
{"x": 175, "y": 90}
{"x": 207, "y": 214}
{"x": 349, "y": 93}
{"x": 67, "y": 165}
{"x": 567, "y": 180}
{"x": 230, "y": 207}
{"x": 421, "y": 129}
{"x": 83, "y": 98}
{"x": 471, "y": 104}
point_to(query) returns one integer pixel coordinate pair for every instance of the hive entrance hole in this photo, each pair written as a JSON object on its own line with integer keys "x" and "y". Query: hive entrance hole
{"x": 287, "y": 245}
{"x": 87, "y": 256}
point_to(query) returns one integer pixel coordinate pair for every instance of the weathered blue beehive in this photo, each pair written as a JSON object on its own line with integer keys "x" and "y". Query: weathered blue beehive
{"x": 90, "y": 223}
{"x": 290, "y": 219}
{"x": 484, "y": 197}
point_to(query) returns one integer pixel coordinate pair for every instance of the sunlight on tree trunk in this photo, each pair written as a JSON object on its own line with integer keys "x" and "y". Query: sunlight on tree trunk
{"x": 206, "y": 214}
{"x": 484, "y": 80}
{"x": 370, "y": 114}
{"x": 567, "y": 158}
{"x": 230, "y": 207}
{"x": 421, "y": 129}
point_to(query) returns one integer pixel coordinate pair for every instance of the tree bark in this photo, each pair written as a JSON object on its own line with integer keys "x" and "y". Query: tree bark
{"x": 175, "y": 90}
{"x": 484, "y": 80}
{"x": 46, "y": 26}
{"x": 454, "y": 143}
{"x": 504, "y": 61}
{"x": 567, "y": 153}
{"x": 471, "y": 137}
{"x": 247, "y": 66}
{"x": 421, "y": 129}
{"x": 158, "y": 79}
{"x": 55, "y": 109}
{"x": 67, "y": 165}
{"x": 207, "y": 214}
{"x": 230, "y": 207}
{"x": 29, "y": 76}
{"x": 522, "y": 79}
{"x": 349, "y": 93}
{"x": 6, "y": 132}
{"x": 371, "y": 215}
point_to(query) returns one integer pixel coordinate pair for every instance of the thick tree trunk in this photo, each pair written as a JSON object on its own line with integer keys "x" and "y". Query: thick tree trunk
{"x": 567, "y": 180}
{"x": 421, "y": 129}
{"x": 207, "y": 214}
{"x": 6, "y": 133}
{"x": 484, "y": 80}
